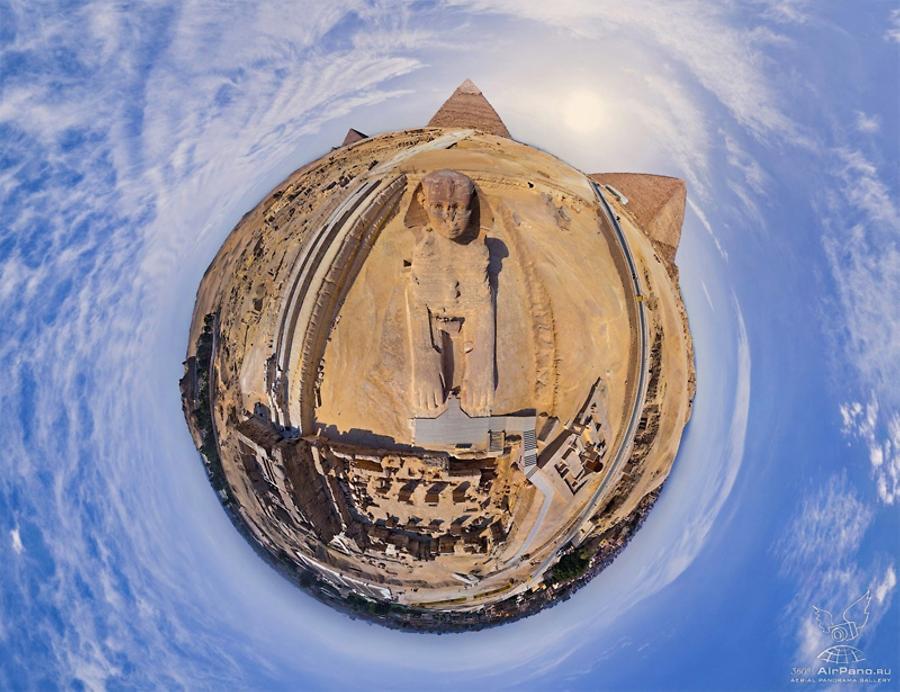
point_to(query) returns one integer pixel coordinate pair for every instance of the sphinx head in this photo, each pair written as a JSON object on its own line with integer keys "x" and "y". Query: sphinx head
{"x": 448, "y": 197}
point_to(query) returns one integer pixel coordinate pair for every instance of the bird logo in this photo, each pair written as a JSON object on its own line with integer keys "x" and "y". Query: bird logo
{"x": 849, "y": 629}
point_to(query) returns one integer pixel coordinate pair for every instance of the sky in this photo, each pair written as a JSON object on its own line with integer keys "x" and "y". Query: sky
{"x": 133, "y": 136}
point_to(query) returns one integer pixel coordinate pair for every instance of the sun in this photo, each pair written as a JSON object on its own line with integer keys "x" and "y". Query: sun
{"x": 583, "y": 111}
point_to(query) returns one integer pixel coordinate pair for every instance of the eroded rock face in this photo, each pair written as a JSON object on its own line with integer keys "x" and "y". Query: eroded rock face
{"x": 417, "y": 377}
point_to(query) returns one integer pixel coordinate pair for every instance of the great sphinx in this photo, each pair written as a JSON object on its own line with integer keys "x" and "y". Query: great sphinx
{"x": 450, "y": 307}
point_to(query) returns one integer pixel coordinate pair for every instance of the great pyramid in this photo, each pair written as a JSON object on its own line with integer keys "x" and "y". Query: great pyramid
{"x": 467, "y": 107}
{"x": 352, "y": 136}
{"x": 657, "y": 204}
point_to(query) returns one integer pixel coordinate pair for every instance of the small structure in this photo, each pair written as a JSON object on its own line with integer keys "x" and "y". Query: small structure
{"x": 580, "y": 449}
{"x": 454, "y": 429}
{"x": 618, "y": 195}
{"x": 260, "y": 429}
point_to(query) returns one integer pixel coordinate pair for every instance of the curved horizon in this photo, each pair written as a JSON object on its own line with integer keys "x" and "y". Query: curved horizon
{"x": 134, "y": 140}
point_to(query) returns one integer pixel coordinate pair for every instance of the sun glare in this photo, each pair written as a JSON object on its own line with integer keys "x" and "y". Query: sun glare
{"x": 583, "y": 111}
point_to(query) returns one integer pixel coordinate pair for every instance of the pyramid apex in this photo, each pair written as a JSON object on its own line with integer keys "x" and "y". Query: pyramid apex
{"x": 467, "y": 107}
{"x": 353, "y": 135}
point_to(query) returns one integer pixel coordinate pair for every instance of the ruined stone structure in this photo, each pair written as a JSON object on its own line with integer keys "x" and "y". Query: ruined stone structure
{"x": 434, "y": 362}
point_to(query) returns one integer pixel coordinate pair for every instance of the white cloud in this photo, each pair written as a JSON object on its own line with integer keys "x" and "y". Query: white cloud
{"x": 827, "y": 530}
{"x": 893, "y": 31}
{"x": 862, "y": 244}
{"x": 788, "y": 11}
{"x": 704, "y": 221}
{"x": 681, "y": 124}
{"x": 749, "y": 188}
{"x": 695, "y": 532}
{"x": 882, "y": 441}
{"x": 818, "y": 552}
{"x": 885, "y": 587}
{"x": 707, "y": 295}
{"x": 810, "y": 640}
{"x": 751, "y": 172}
{"x": 16, "y": 540}
{"x": 865, "y": 189}
{"x": 867, "y": 124}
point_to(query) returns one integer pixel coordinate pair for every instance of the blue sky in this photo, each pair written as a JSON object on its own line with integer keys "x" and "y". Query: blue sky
{"x": 134, "y": 137}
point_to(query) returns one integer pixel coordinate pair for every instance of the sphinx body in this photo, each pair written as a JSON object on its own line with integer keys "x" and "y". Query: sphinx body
{"x": 451, "y": 312}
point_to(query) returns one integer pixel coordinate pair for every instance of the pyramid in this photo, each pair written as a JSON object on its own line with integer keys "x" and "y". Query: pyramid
{"x": 353, "y": 136}
{"x": 467, "y": 107}
{"x": 657, "y": 204}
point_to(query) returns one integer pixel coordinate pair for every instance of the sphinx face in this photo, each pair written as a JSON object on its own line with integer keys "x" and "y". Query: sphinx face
{"x": 447, "y": 199}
